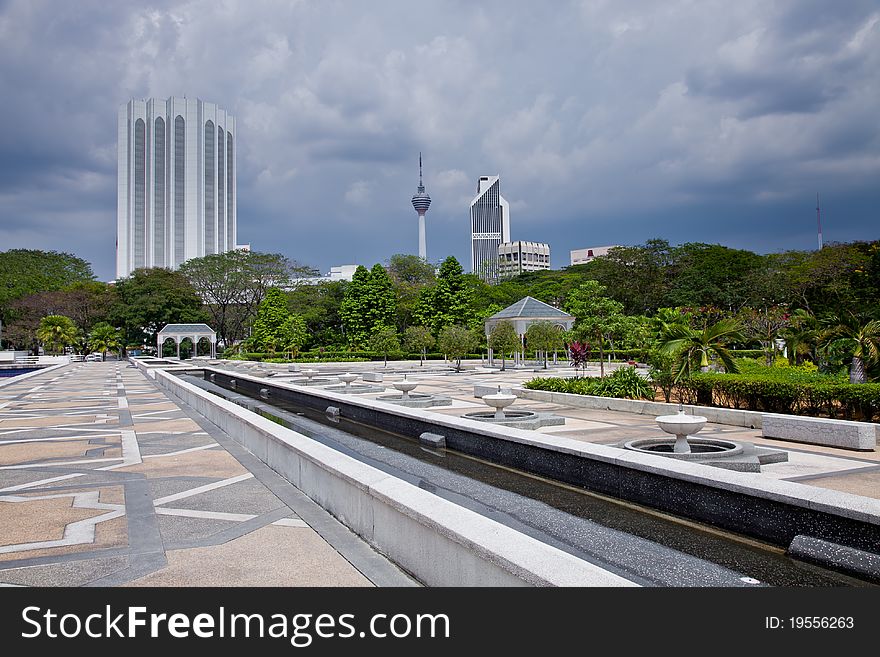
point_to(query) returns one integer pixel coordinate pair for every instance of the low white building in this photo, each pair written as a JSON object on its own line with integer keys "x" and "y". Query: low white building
{"x": 583, "y": 256}
{"x": 517, "y": 257}
{"x": 339, "y": 273}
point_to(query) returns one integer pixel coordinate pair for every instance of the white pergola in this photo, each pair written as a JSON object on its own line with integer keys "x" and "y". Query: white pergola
{"x": 524, "y": 313}
{"x": 180, "y": 332}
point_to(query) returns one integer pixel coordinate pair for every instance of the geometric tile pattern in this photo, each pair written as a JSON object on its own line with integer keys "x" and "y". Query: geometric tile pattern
{"x": 106, "y": 481}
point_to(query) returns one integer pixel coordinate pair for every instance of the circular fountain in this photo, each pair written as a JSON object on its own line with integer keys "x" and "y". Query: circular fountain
{"x": 682, "y": 426}
{"x": 311, "y": 378}
{"x": 405, "y": 386}
{"x": 407, "y": 397}
{"x": 353, "y": 388}
{"x": 519, "y": 419}
{"x": 499, "y": 401}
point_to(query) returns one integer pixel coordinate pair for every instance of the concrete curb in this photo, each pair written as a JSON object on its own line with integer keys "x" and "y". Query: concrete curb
{"x": 441, "y": 543}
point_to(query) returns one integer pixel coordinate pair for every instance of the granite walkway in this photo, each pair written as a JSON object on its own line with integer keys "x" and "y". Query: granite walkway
{"x": 105, "y": 481}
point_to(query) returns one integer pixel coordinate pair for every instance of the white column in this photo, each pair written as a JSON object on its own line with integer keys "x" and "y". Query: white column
{"x": 423, "y": 244}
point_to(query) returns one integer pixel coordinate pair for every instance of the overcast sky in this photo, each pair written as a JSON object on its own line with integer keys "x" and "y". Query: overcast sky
{"x": 608, "y": 122}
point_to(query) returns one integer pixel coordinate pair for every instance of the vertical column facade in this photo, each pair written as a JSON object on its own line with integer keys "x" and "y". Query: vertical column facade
{"x": 490, "y": 226}
{"x": 176, "y": 183}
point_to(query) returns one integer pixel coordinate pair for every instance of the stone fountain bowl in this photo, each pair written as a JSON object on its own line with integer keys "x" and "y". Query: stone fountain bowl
{"x": 499, "y": 400}
{"x": 681, "y": 424}
{"x": 348, "y": 377}
{"x": 405, "y": 386}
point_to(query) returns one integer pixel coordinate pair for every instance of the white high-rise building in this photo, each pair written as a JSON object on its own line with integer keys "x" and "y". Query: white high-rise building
{"x": 490, "y": 226}
{"x": 176, "y": 196}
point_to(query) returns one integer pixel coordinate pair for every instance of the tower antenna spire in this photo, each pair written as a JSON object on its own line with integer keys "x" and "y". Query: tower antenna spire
{"x": 420, "y": 169}
{"x": 819, "y": 220}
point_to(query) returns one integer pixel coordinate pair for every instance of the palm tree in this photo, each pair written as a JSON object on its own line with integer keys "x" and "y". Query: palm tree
{"x": 800, "y": 335}
{"x": 688, "y": 343}
{"x": 104, "y": 338}
{"x": 56, "y": 332}
{"x": 859, "y": 336}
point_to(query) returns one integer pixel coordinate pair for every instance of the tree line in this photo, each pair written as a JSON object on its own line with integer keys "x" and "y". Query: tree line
{"x": 622, "y": 301}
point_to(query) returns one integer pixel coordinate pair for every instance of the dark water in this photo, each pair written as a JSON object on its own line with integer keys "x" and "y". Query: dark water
{"x": 639, "y": 543}
{"x": 15, "y": 371}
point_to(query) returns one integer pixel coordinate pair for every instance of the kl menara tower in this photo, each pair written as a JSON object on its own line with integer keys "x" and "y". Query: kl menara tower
{"x": 421, "y": 202}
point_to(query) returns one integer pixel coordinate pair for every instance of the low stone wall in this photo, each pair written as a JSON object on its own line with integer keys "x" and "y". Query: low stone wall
{"x": 733, "y": 417}
{"x": 439, "y": 542}
{"x": 820, "y": 431}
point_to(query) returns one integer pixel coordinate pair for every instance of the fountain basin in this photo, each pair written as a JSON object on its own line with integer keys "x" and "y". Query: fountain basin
{"x": 416, "y": 400}
{"x": 519, "y": 419}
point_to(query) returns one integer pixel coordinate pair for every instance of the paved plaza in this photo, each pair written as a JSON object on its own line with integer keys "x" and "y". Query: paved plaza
{"x": 104, "y": 481}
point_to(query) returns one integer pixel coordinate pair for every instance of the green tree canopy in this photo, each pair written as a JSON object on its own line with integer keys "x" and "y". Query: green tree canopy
{"x": 151, "y": 298}
{"x": 418, "y": 338}
{"x": 448, "y": 302}
{"x": 24, "y": 272}
{"x": 544, "y": 336}
{"x": 103, "y": 338}
{"x": 504, "y": 340}
{"x": 368, "y": 304}
{"x": 319, "y": 306}
{"x": 57, "y": 332}
{"x": 233, "y": 284}
{"x": 384, "y": 341}
{"x": 409, "y": 276}
{"x": 457, "y": 342}
{"x": 597, "y": 316}
{"x": 273, "y": 327}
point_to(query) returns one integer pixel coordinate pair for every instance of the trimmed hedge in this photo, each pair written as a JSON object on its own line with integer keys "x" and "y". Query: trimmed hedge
{"x": 849, "y": 401}
{"x": 623, "y": 383}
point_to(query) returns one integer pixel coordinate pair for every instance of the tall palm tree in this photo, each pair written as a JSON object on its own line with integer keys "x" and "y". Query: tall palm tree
{"x": 859, "y": 336}
{"x": 104, "y": 338}
{"x": 56, "y": 332}
{"x": 689, "y": 343}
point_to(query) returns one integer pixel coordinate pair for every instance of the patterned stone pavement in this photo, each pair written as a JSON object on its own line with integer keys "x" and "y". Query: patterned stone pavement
{"x": 104, "y": 481}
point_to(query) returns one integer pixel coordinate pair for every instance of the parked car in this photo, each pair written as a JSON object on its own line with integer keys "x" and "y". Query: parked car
{"x": 94, "y": 356}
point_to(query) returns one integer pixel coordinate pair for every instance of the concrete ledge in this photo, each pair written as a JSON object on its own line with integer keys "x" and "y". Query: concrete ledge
{"x": 441, "y": 543}
{"x": 375, "y": 377}
{"x": 731, "y": 416}
{"x": 820, "y": 431}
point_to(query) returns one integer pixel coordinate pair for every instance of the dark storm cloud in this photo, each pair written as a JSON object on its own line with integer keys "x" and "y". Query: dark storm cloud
{"x": 608, "y": 122}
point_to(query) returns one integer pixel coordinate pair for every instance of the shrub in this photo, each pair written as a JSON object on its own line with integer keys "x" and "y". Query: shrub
{"x": 623, "y": 383}
{"x": 802, "y": 394}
